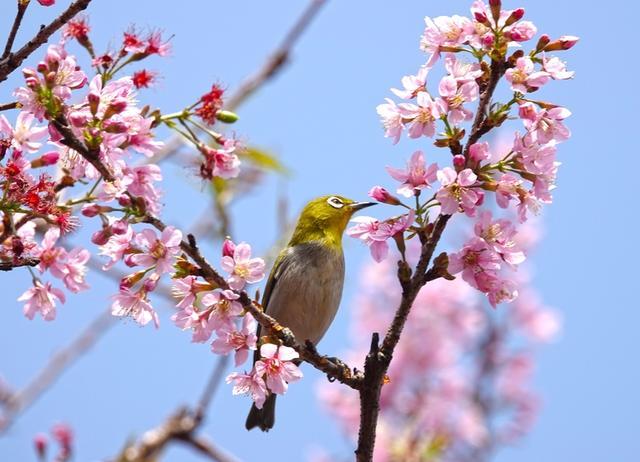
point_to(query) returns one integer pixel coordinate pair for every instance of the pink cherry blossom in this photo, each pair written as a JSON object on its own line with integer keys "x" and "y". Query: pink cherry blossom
{"x": 547, "y": 125}
{"x": 456, "y": 192}
{"x": 249, "y": 384}
{"x": 240, "y": 341}
{"x": 276, "y": 365}
{"x": 539, "y": 159}
{"x": 51, "y": 256}
{"x": 186, "y": 289}
{"x": 416, "y": 176}
{"x": 375, "y": 233}
{"x": 479, "y": 152}
{"x": 445, "y": 31}
{"x": 23, "y": 137}
{"x": 412, "y": 84}
{"x": 222, "y": 309}
{"x": 524, "y": 78}
{"x": 134, "y": 305}
{"x": 500, "y": 236}
{"x": 158, "y": 252}
{"x": 242, "y": 267}
{"x": 455, "y": 95}
{"x": 556, "y": 68}
{"x": 391, "y": 118}
{"x": 75, "y": 270}
{"x": 140, "y": 184}
{"x": 41, "y": 299}
{"x": 521, "y": 31}
{"x": 221, "y": 162}
{"x": 116, "y": 247}
{"x": 475, "y": 260}
{"x": 460, "y": 70}
{"x": 421, "y": 117}
{"x": 508, "y": 187}
{"x": 380, "y": 194}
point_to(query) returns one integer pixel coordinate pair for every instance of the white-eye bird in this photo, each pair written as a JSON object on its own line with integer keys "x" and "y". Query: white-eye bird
{"x": 305, "y": 285}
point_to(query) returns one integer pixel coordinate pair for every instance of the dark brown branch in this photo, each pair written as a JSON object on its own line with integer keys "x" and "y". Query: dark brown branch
{"x": 20, "y": 262}
{"x": 7, "y": 106}
{"x": 22, "y": 7}
{"x": 59, "y": 362}
{"x": 14, "y": 60}
{"x": 206, "y": 448}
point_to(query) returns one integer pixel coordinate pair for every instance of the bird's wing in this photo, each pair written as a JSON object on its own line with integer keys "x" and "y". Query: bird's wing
{"x": 280, "y": 265}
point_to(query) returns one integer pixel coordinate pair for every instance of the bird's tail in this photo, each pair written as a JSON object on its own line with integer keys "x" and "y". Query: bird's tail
{"x": 262, "y": 418}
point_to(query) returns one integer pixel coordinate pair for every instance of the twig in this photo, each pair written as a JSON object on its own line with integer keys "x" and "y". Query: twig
{"x": 207, "y": 448}
{"x": 273, "y": 64}
{"x": 11, "y": 62}
{"x": 60, "y": 361}
{"x": 212, "y": 386}
{"x": 22, "y": 7}
{"x": 7, "y": 106}
{"x": 10, "y": 265}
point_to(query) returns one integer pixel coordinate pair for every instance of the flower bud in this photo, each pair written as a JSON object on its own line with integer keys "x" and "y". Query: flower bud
{"x": 495, "y": 6}
{"x": 120, "y": 227}
{"x": 563, "y": 43}
{"x": 41, "y": 67}
{"x": 116, "y": 107}
{"x": 101, "y": 237}
{"x": 479, "y": 152}
{"x": 63, "y": 434}
{"x": 54, "y": 134}
{"x": 94, "y": 101}
{"x": 40, "y": 444}
{"x": 17, "y": 246}
{"x": 78, "y": 119}
{"x": 481, "y": 18}
{"x": 131, "y": 280}
{"x": 480, "y": 199}
{"x": 226, "y": 117}
{"x": 228, "y": 247}
{"x": 488, "y": 40}
{"x": 515, "y": 16}
{"x": 92, "y": 210}
{"x": 527, "y": 111}
{"x": 543, "y": 41}
{"x": 382, "y": 195}
{"x": 459, "y": 161}
{"x": 128, "y": 260}
{"x": 50, "y": 158}
{"x": 115, "y": 127}
{"x": 151, "y": 283}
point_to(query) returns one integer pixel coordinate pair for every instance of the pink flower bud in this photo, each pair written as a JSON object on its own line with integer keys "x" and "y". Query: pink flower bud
{"x": 563, "y": 43}
{"x": 40, "y": 443}
{"x": 527, "y": 111}
{"x": 382, "y": 195}
{"x": 480, "y": 199}
{"x": 101, "y": 237}
{"x": 543, "y": 41}
{"x": 78, "y": 119}
{"x": 479, "y": 152}
{"x": 481, "y": 18}
{"x": 54, "y": 134}
{"x": 94, "y": 101}
{"x": 228, "y": 248}
{"x": 515, "y": 16}
{"x": 488, "y": 40}
{"x": 120, "y": 227}
{"x": 41, "y": 67}
{"x": 495, "y": 6}
{"x": 150, "y": 284}
{"x": 63, "y": 434}
{"x": 128, "y": 260}
{"x": 91, "y": 210}
{"x": 17, "y": 246}
{"x": 459, "y": 161}
{"x": 50, "y": 158}
{"x": 115, "y": 127}
{"x": 124, "y": 201}
{"x": 46, "y": 2}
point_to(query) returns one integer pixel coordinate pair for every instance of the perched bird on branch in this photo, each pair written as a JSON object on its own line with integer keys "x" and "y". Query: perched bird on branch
{"x": 305, "y": 285}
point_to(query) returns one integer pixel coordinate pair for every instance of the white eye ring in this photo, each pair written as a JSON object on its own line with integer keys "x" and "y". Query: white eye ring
{"x": 335, "y": 202}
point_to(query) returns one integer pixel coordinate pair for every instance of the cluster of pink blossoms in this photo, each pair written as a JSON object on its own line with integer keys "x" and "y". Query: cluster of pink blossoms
{"x": 60, "y": 104}
{"x": 465, "y": 389}
{"x": 521, "y": 179}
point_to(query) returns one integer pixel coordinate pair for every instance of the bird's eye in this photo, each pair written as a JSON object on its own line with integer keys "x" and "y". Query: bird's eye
{"x": 335, "y": 202}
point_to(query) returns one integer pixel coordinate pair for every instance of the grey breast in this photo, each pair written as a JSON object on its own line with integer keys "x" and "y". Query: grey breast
{"x": 308, "y": 289}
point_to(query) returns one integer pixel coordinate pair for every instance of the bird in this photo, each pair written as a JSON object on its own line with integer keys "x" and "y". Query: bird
{"x": 304, "y": 288}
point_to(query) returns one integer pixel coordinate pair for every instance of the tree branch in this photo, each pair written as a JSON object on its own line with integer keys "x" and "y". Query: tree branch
{"x": 11, "y": 62}
{"x": 22, "y": 8}
{"x": 378, "y": 360}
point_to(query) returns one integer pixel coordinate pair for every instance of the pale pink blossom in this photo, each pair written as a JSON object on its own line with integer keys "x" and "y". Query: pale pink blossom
{"x": 380, "y": 194}
{"x": 523, "y": 77}
{"x": 537, "y": 321}
{"x": 539, "y": 159}
{"x": 241, "y": 341}
{"x": 412, "y": 84}
{"x": 242, "y": 267}
{"x": 416, "y": 176}
{"x": 391, "y": 118}
{"x": 422, "y": 116}
{"x": 454, "y": 96}
{"x": 455, "y": 192}
{"x": 521, "y": 31}
{"x": 140, "y": 183}
{"x": 41, "y": 299}
{"x": 186, "y": 289}
{"x": 500, "y": 235}
{"x": 116, "y": 247}
{"x": 134, "y": 305}
{"x": 51, "y": 256}
{"x": 479, "y": 152}
{"x": 475, "y": 260}
{"x": 500, "y": 291}
{"x": 222, "y": 309}
{"x": 23, "y": 137}
{"x": 556, "y": 68}
{"x": 158, "y": 252}
{"x": 445, "y": 31}
{"x": 375, "y": 233}
{"x": 277, "y": 366}
{"x": 460, "y": 70}
{"x": 508, "y": 187}
{"x": 75, "y": 269}
{"x": 249, "y": 384}
{"x": 547, "y": 125}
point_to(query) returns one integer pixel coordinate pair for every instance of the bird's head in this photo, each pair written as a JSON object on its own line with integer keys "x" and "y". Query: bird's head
{"x": 325, "y": 219}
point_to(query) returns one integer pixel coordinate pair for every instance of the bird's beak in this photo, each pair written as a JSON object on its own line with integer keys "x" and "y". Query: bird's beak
{"x": 361, "y": 205}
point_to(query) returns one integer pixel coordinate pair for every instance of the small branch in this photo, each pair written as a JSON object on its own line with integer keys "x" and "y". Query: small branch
{"x": 58, "y": 363}
{"x": 7, "y": 106}
{"x": 212, "y": 386}
{"x": 10, "y": 265}
{"x": 206, "y": 448}
{"x": 22, "y": 7}
{"x": 11, "y": 62}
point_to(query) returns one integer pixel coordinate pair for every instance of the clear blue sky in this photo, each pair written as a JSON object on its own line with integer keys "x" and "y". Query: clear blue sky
{"x": 319, "y": 116}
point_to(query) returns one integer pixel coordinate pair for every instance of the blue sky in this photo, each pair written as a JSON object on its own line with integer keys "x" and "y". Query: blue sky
{"x": 319, "y": 117}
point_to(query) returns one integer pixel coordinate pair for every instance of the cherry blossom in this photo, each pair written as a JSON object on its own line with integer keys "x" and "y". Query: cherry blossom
{"x": 157, "y": 252}
{"x": 240, "y": 341}
{"x": 41, "y": 298}
{"x": 524, "y": 78}
{"x": 456, "y": 192}
{"x": 276, "y": 365}
{"x": 375, "y": 233}
{"x": 242, "y": 267}
{"x": 135, "y": 305}
{"x": 23, "y": 137}
{"x": 421, "y": 117}
{"x": 391, "y": 117}
{"x": 416, "y": 176}
{"x": 249, "y": 384}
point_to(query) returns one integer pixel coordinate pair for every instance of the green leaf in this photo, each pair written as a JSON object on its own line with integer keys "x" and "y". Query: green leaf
{"x": 264, "y": 160}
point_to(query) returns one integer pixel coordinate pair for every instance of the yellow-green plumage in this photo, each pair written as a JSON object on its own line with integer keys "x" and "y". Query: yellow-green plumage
{"x": 305, "y": 285}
